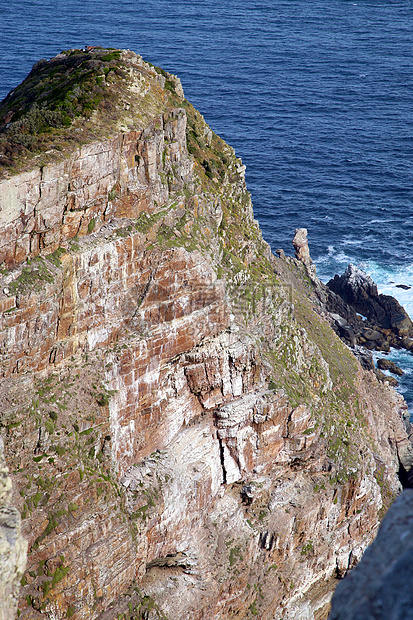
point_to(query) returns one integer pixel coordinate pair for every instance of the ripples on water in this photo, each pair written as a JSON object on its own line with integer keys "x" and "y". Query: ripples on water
{"x": 316, "y": 97}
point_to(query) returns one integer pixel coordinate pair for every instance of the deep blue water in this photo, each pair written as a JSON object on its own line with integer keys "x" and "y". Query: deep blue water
{"x": 316, "y": 97}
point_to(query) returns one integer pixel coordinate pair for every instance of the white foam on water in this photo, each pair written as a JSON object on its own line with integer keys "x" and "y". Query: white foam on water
{"x": 403, "y": 359}
{"x": 387, "y": 279}
{"x": 335, "y": 261}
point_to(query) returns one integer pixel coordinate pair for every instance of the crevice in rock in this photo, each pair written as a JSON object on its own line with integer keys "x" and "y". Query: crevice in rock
{"x": 221, "y": 456}
{"x": 38, "y": 447}
{"x": 146, "y": 288}
{"x": 405, "y": 477}
{"x": 266, "y": 540}
{"x": 144, "y": 292}
{"x": 171, "y": 560}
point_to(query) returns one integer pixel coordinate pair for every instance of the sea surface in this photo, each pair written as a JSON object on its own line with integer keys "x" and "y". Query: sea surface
{"x": 315, "y": 97}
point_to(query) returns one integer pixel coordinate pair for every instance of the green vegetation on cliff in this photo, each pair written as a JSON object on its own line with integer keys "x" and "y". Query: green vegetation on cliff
{"x": 77, "y": 97}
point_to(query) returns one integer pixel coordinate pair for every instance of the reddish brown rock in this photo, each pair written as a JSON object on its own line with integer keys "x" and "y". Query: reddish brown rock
{"x": 156, "y": 366}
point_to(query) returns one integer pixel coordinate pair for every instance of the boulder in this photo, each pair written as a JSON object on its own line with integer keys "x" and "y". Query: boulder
{"x": 382, "y": 345}
{"x": 384, "y": 364}
{"x": 371, "y": 334}
{"x": 407, "y": 343}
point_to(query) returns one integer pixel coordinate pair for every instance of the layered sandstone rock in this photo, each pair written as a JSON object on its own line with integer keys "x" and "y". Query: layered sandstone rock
{"x": 188, "y": 436}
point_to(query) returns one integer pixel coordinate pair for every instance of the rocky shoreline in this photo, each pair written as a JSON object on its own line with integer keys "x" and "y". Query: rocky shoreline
{"x": 364, "y": 319}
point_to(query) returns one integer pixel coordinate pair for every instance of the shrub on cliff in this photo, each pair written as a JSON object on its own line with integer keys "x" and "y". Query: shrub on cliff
{"x": 55, "y": 93}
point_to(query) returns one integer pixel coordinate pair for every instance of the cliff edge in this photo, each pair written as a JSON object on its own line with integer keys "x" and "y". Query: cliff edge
{"x": 188, "y": 437}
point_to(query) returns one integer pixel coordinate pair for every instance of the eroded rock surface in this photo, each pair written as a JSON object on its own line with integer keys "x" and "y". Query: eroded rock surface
{"x": 359, "y": 290}
{"x": 157, "y": 361}
{"x": 302, "y": 252}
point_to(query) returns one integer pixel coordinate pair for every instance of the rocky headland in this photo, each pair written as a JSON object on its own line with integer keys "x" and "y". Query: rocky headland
{"x": 186, "y": 434}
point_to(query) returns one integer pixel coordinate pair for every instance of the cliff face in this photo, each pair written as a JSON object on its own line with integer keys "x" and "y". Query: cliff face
{"x": 188, "y": 436}
{"x": 374, "y": 589}
{"x": 13, "y": 548}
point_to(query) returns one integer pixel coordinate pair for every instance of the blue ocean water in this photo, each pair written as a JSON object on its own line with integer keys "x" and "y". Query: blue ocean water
{"x": 316, "y": 97}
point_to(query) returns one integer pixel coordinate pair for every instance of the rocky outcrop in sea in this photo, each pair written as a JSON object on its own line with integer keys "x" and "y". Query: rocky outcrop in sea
{"x": 362, "y": 318}
{"x": 386, "y": 322}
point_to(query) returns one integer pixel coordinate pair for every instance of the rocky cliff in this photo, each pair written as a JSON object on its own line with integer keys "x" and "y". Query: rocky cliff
{"x": 381, "y": 585}
{"x": 13, "y": 548}
{"x": 187, "y": 435}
